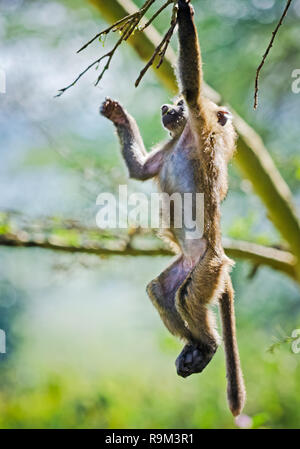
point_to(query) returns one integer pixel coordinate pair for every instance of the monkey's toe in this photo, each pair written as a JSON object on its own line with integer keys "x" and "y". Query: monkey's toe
{"x": 193, "y": 359}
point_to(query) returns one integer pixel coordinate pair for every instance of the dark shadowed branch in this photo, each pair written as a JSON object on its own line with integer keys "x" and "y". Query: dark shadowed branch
{"x": 267, "y": 52}
{"x": 161, "y": 48}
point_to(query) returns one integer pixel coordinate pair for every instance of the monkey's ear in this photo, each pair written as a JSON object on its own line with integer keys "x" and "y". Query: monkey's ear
{"x": 223, "y": 116}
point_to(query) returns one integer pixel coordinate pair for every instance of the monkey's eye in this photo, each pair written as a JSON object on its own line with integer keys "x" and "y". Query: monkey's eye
{"x": 222, "y": 117}
{"x": 180, "y": 103}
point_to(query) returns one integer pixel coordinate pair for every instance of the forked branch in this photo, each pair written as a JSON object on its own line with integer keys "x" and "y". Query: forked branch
{"x": 161, "y": 48}
{"x": 127, "y": 26}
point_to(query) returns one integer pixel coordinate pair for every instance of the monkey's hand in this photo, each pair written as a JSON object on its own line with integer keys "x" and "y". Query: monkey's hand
{"x": 186, "y": 4}
{"x": 113, "y": 111}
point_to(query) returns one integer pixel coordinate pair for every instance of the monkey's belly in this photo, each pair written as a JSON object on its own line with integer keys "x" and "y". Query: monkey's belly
{"x": 182, "y": 209}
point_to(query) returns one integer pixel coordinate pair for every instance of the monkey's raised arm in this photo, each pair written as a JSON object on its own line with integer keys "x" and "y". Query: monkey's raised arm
{"x": 141, "y": 165}
{"x": 190, "y": 63}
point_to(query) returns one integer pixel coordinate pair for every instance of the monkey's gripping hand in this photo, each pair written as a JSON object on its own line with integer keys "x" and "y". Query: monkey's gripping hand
{"x": 114, "y": 111}
{"x": 183, "y": 4}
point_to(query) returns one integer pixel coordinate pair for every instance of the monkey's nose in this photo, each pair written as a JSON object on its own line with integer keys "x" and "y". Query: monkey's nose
{"x": 164, "y": 109}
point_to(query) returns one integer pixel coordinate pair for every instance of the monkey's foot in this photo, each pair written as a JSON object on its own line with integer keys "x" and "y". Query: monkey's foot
{"x": 113, "y": 111}
{"x": 193, "y": 359}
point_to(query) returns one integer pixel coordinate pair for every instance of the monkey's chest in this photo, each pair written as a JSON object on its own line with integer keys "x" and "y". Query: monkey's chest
{"x": 183, "y": 215}
{"x": 180, "y": 172}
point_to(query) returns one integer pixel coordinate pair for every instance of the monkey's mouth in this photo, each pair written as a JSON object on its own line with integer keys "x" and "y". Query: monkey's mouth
{"x": 171, "y": 119}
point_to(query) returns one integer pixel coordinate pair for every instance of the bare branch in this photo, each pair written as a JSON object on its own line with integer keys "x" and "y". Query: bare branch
{"x": 127, "y": 26}
{"x": 19, "y": 231}
{"x": 113, "y": 27}
{"x": 161, "y": 48}
{"x": 168, "y": 36}
{"x": 14, "y": 241}
{"x": 108, "y": 55}
{"x": 259, "y": 255}
{"x": 267, "y": 52}
{"x": 156, "y": 14}
{"x": 61, "y": 91}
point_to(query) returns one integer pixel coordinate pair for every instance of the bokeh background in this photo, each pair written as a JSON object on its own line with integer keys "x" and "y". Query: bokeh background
{"x": 85, "y": 348}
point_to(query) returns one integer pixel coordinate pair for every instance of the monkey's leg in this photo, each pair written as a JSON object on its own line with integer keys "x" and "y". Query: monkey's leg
{"x": 162, "y": 291}
{"x": 202, "y": 286}
{"x": 141, "y": 165}
{"x": 236, "y": 391}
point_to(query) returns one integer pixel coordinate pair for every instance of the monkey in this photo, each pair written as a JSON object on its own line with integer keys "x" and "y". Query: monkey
{"x": 194, "y": 159}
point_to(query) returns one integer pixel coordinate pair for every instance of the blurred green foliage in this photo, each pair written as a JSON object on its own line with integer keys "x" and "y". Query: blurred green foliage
{"x": 85, "y": 348}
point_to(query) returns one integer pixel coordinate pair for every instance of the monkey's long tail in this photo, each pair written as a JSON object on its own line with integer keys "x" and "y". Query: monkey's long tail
{"x": 236, "y": 392}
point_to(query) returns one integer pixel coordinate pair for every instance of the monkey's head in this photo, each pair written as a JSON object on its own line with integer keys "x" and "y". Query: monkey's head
{"x": 174, "y": 116}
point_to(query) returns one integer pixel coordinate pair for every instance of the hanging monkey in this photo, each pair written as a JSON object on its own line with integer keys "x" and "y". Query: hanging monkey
{"x": 194, "y": 160}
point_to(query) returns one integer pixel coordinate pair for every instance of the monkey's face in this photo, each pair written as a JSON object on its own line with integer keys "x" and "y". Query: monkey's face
{"x": 174, "y": 116}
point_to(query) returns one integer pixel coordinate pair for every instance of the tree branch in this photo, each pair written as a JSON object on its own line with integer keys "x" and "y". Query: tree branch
{"x": 267, "y": 52}
{"x": 72, "y": 237}
{"x": 127, "y": 26}
{"x": 161, "y": 48}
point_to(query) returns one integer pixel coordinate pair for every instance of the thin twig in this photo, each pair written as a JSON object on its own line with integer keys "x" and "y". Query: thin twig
{"x": 168, "y": 37}
{"x": 108, "y": 55}
{"x": 156, "y": 14}
{"x": 126, "y": 27}
{"x": 61, "y": 91}
{"x": 115, "y": 26}
{"x": 161, "y": 48}
{"x": 267, "y": 52}
{"x": 106, "y": 31}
